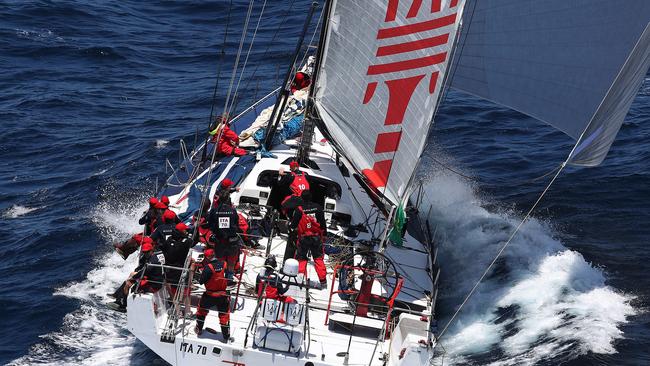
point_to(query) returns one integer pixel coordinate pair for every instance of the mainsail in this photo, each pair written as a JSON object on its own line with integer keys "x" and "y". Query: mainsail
{"x": 381, "y": 75}
{"x": 576, "y": 65}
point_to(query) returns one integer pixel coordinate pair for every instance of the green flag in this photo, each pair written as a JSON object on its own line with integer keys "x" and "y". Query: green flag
{"x": 399, "y": 220}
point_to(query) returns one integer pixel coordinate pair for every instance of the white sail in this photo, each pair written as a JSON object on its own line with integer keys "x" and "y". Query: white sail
{"x": 576, "y": 65}
{"x": 380, "y": 77}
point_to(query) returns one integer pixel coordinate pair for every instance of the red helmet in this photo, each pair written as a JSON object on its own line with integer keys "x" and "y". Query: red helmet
{"x": 299, "y": 76}
{"x": 169, "y": 216}
{"x": 160, "y": 205}
{"x": 181, "y": 227}
{"x": 153, "y": 201}
{"x": 208, "y": 253}
{"x": 294, "y": 164}
{"x": 165, "y": 200}
{"x": 227, "y": 183}
{"x": 147, "y": 246}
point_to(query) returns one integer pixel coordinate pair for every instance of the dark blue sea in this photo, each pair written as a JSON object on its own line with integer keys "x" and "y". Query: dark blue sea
{"x": 95, "y": 97}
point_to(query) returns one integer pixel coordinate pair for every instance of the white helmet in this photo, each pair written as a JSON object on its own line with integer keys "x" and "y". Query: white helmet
{"x": 290, "y": 267}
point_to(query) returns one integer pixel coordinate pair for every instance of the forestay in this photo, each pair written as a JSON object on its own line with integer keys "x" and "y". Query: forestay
{"x": 380, "y": 77}
{"x": 576, "y": 65}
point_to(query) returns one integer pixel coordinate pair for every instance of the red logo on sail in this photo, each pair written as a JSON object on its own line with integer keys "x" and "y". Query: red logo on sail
{"x": 401, "y": 89}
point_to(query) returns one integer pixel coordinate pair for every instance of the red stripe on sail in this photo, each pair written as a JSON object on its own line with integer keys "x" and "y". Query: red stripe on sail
{"x": 412, "y": 46}
{"x": 387, "y": 142}
{"x": 415, "y": 63}
{"x": 370, "y": 91}
{"x": 433, "y": 82}
{"x": 453, "y": 3}
{"x": 414, "y": 9}
{"x": 416, "y": 27}
{"x": 391, "y": 10}
{"x": 400, "y": 92}
{"x": 378, "y": 175}
{"x": 436, "y": 5}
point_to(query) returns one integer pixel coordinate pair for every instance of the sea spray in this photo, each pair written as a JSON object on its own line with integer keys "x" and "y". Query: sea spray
{"x": 94, "y": 334}
{"x": 541, "y": 300}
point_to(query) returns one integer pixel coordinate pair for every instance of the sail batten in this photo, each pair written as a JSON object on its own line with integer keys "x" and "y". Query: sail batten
{"x": 380, "y": 80}
{"x": 558, "y": 62}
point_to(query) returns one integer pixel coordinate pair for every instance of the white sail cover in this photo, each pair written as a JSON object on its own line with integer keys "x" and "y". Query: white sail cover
{"x": 383, "y": 66}
{"x": 576, "y": 65}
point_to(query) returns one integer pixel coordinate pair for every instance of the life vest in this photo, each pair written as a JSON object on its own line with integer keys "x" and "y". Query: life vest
{"x": 299, "y": 183}
{"x": 308, "y": 225}
{"x": 271, "y": 287}
{"x": 216, "y": 285}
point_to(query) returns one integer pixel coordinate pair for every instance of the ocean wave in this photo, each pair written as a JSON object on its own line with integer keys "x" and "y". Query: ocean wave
{"x": 542, "y": 301}
{"x": 16, "y": 211}
{"x": 94, "y": 334}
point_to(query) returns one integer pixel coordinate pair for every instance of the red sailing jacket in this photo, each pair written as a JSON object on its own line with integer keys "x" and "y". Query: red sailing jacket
{"x": 216, "y": 285}
{"x": 308, "y": 225}
{"x": 299, "y": 183}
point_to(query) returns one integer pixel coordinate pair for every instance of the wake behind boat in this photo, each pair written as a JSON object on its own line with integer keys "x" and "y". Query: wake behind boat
{"x": 348, "y": 127}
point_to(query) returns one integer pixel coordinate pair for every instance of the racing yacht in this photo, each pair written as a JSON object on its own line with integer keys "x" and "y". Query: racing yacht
{"x": 378, "y": 75}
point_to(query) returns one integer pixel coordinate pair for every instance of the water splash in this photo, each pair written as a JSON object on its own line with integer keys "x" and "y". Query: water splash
{"x": 160, "y": 143}
{"x": 541, "y": 301}
{"x": 16, "y": 211}
{"x": 94, "y": 334}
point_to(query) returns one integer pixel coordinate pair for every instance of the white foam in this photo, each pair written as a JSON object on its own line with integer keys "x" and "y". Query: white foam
{"x": 160, "y": 143}
{"x": 16, "y": 211}
{"x": 94, "y": 334}
{"x": 544, "y": 299}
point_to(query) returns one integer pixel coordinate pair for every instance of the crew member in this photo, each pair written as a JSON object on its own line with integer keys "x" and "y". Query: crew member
{"x": 226, "y": 139}
{"x": 224, "y": 190}
{"x": 215, "y": 295}
{"x": 175, "y": 250}
{"x": 150, "y": 217}
{"x": 165, "y": 228}
{"x": 224, "y": 223}
{"x": 289, "y": 205}
{"x": 126, "y": 248}
{"x": 300, "y": 81}
{"x": 309, "y": 222}
{"x": 275, "y": 289}
{"x": 295, "y": 182}
{"x": 150, "y": 277}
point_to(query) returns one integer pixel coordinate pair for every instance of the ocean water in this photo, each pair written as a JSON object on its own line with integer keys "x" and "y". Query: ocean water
{"x": 95, "y": 97}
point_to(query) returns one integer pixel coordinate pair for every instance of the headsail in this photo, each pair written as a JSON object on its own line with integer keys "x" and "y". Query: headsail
{"x": 380, "y": 77}
{"x": 576, "y": 65}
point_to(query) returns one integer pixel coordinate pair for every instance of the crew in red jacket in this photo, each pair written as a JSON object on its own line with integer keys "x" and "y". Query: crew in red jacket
{"x": 295, "y": 181}
{"x": 226, "y": 139}
{"x": 300, "y": 81}
{"x": 309, "y": 222}
{"x": 215, "y": 294}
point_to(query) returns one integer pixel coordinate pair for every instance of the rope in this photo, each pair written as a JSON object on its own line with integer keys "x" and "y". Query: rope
{"x": 503, "y": 248}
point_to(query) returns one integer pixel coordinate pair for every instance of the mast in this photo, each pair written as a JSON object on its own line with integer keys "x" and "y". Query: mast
{"x": 311, "y": 118}
{"x": 283, "y": 95}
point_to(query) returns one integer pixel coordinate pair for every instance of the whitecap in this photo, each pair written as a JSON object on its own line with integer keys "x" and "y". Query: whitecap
{"x": 544, "y": 300}
{"x": 94, "y": 334}
{"x": 16, "y": 211}
{"x": 160, "y": 143}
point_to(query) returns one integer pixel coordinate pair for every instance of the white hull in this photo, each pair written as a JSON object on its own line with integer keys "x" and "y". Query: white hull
{"x": 409, "y": 343}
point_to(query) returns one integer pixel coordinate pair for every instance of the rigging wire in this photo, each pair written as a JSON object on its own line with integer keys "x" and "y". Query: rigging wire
{"x": 250, "y": 47}
{"x": 271, "y": 43}
{"x": 239, "y": 51}
{"x": 222, "y": 54}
